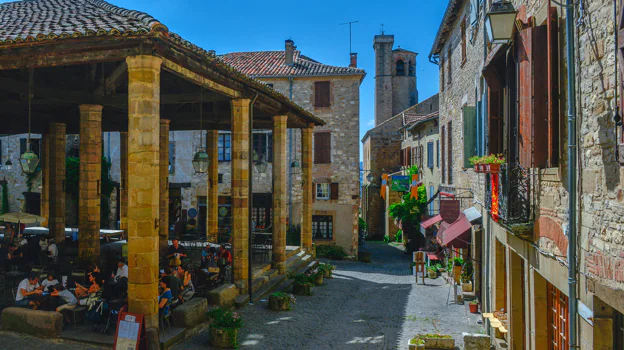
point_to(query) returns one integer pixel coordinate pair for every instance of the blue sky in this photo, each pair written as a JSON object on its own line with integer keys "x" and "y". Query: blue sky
{"x": 248, "y": 25}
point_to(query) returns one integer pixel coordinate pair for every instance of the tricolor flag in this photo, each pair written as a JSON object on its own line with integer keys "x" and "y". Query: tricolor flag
{"x": 384, "y": 184}
{"x": 414, "y": 187}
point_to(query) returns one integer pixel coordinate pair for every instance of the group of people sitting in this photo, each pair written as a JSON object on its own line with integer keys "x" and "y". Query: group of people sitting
{"x": 176, "y": 287}
{"x": 19, "y": 251}
{"x": 30, "y": 292}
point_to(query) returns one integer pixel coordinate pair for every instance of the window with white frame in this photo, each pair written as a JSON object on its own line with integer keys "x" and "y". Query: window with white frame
{"x": 322, "y": 227}
{"x": 322, "y": 191}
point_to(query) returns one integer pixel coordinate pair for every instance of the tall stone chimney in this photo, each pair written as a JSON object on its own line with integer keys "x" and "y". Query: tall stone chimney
{"x": 353, "y": 63}
{"x": 290, "y": 52}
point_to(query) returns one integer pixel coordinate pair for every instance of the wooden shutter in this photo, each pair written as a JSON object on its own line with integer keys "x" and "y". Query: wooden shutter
{"x": 313, "y": 191}
{"x": 333, "y": 187}
{"x": 470, "y": 130}
{"x": 430, "y": 154}
{"x": 532, "y": 97}
{"x": 554, "y": 116}
{"x": 443, "y": 153}
{"x": 449, "y": 136}
{"x": 322, "y": 148}
{"x": 408, "y": 156}
{"x": 321, "y": 94}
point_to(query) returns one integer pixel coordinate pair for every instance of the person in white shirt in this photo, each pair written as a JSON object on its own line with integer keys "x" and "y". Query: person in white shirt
{"x": 122, "y": 270}
{"x": 27, "y": 287}
{"x": 48, "y": 282}
{"x": 52, "y": 250}
{"x": 67, "y": 298}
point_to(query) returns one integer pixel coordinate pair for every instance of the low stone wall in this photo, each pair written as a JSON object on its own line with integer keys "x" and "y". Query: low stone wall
{"x": 191, "y": 313}
{"x": 223, "y": 295}
{"x": 476, "y": 341}
{"x": 35, "y": 322}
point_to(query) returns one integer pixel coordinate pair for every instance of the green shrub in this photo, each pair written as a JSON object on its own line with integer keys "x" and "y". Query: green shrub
{"x": 362, "y": 225}
{"x": 399, "y": 236}
{"x": 386, "y": 239}
{"x": 331, "y": 251}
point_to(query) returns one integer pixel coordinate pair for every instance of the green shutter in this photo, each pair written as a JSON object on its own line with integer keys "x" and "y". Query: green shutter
{"x": 470, "y": 133}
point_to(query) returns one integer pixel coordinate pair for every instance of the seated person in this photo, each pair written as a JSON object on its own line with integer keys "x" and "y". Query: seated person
{"x": 52, "y": 250}
{"x": 175, "y": 253}
{"x": 26, "y": 289}
{"x": 122, "y": 270}
{"x": 225, "y": 259}
{"x": 172, "y": 281}
{"x": 209, "y": 256}
{"x": 164, "y": 297}
{"x": 49, "y": 282}
{"x": 15, "y": 257}
{"x": 187, "y": 287}
{"x": 68, "y": 300}
{"x": 82, "y": 292}
{"x": 97, "y": 273}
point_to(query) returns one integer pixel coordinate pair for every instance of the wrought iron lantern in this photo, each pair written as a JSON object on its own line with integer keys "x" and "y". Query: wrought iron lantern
{"x": 500, "y": 22}
{"x": 8, "y": 165}
{"x": 29, "y": 160}
{"x": 201, "y": 161}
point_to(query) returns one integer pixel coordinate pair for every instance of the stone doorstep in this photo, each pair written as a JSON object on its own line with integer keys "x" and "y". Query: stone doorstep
{"x": 259, "y": 272}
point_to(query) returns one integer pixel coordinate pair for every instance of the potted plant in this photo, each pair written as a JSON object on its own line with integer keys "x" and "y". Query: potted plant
{"x": 476, "y": 163}
{"x": 466, "y": 277}
{"x": 280, "y": 301}
{"x": 224, "y": 328}
{"x": 493, "y": 163}
{"x": 458, "y": 262}
{"x": 432, "y": 272}
{"x": 317, "y": 278}
{"x": 416, "y": 344}
{"x": 474, "y": 306}
{"x": 326, "y": 269}
{"x": 303, "y": 284}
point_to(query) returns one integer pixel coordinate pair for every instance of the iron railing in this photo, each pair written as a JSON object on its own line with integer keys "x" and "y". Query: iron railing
{"x": 515, "y": 195}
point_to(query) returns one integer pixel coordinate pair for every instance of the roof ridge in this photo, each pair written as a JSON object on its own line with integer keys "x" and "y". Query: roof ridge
{"x": 144, "y": 17}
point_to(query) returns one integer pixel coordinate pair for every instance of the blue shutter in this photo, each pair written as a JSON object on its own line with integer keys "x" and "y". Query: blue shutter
{"x": 474, "y": 12}
{"x": 431, "y": 204}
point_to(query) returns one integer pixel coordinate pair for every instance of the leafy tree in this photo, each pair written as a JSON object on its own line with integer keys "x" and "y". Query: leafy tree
{"x": 409, "y": 210}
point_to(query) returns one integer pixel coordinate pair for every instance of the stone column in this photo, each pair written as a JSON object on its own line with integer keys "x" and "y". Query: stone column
{"x": 280, "y": 200}
{"x": 240, "y": 191}
{"x": 143, "y": 190}
{"x": 163, "y": 233}
{"x": 56, "y": 184}
{"x": 90, "y": 173}
{"x": 306, "y": 169}
{"x": 123, "y": 192}
{"x": 45, "y": 179}
{"x": 212, "y": 196}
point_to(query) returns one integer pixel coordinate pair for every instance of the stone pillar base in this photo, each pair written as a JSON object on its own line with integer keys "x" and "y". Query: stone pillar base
{"x": 279, "y": 266}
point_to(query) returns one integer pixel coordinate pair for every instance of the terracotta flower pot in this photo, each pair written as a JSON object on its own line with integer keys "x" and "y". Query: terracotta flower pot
{"x": 474, "y": 308}
{"x": 279, "y": 303}
{"x": 223, "y": 338}
{"x": 480, "y": 168}
{"x": 302, "y": 289}
{"x": 494, "y": 168}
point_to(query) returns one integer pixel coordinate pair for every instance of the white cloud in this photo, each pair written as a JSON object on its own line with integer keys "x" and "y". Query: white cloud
{"x": 370, "y": 122}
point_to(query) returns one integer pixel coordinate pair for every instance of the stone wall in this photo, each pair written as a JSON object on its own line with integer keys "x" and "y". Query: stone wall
{"x": 404, "y": 94}
{"x": 382, "y": 45}
{"x": 16, "y": 181}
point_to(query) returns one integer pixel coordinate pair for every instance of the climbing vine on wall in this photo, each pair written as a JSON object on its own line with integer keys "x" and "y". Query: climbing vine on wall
{"x": 5, "y": 199}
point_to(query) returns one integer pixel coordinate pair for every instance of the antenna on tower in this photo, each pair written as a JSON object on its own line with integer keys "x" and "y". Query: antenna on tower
{"x": 382, "y": 30}
{"x": 349, "y": 23}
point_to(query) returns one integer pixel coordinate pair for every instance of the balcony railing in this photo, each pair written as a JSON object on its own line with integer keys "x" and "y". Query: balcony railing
{"x": 515, "y": 196}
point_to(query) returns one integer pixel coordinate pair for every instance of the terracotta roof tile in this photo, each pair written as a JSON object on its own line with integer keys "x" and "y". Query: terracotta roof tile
{"x": 38, "y": 20}
{"x": 272, "y": 63}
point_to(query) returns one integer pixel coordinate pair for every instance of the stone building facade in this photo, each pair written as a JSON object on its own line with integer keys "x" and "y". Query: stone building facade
{"x": 521, "y": 250}
{"x": 395, "y": 92}
{"x": 11, "y": 147}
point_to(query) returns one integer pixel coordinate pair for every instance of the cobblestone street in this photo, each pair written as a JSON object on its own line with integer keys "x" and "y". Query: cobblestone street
{"x": 366, "y": 306}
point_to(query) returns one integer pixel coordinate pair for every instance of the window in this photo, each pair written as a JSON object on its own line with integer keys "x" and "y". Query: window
{"x": 557, "y": 318}
{"x": 412, "y": 69}
{"x": 438, "y": 152}
{"x": 322, "y": 94}
{"x": 322, "y": 148}
{"x": 322, "y": 227}
{"x": 449, "y": 136}
{"x": 414, "y": 156}
{"x": 171, "y": 157}
{"x": 463, "y": 40}
{"x": 225, "y": 144}
{"x": 450, "y": 65}
{"x": 322, "y": 191}
{"x": 270, "y": 85}
{"x": 430, "y": 155}
{"x": 261, "y": 213}
{"x": 220, "y": 178}
{"x": 431, "y": 193}
{"x": 400, "y": 68}
{"x": 263, "y": 146}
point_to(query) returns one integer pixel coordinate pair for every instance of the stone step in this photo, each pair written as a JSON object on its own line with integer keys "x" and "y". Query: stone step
{"x": 259, "y": 272}
{"x": 290, "y": 253}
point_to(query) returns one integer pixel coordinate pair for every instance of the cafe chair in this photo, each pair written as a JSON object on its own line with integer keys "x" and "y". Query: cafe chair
{"x": 79, "y": 309}
{"x": 79, "y": 276}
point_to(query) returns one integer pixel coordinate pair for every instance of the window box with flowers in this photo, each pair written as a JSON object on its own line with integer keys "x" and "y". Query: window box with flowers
{"x": 488, "y": 164}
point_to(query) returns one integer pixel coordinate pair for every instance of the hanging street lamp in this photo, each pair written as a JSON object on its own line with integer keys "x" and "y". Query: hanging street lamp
{"x": 262, "y": 165}
{"x": 201, "y": 161}
{"x": 500, "y": 22}
{"x": 29, "y": 160}
{"x": 8, "y": 165}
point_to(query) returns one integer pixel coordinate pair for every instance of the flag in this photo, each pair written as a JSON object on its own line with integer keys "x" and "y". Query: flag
{"x": 414, "y": 187}
{"x": 384, "y": 184}
{"x": 495, "y": 197}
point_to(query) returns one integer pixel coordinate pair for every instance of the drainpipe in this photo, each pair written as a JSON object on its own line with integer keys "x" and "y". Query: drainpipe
{"x": 290, "y": 160}
{"x": 572, "y": 304}
{"x": 250, "y": 203}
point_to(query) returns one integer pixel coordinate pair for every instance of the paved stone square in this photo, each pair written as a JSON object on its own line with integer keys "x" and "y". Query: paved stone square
{"x": 365, "y": 306}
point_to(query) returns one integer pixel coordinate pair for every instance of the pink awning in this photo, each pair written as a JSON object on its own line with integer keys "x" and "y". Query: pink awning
{"x": 429, "y": 222}
{"x": 458, "y": 234}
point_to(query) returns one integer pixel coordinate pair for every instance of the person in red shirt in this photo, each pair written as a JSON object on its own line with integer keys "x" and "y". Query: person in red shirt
{"x": 225, "y": 260}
